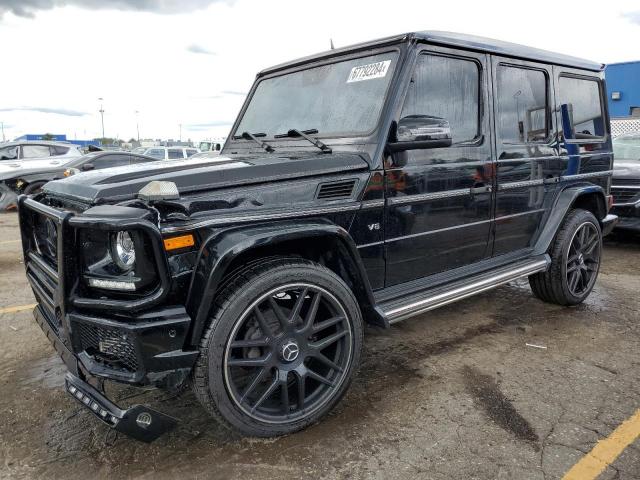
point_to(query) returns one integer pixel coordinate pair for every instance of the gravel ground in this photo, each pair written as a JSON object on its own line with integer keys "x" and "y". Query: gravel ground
{"x": 455, "y": 393}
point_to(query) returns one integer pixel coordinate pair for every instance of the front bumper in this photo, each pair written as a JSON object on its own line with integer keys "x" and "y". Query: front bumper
{"x": 629, "y": 216}
{"x": 608, "y": 224}
{"x": 139, "y": 422}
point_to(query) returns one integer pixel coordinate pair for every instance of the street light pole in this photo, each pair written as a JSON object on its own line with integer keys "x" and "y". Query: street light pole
{"x": 3, "y": 139}
{"x": 102, "y": 116}
{"x": 138, "y": 126}
{"x": 180, "y": 139}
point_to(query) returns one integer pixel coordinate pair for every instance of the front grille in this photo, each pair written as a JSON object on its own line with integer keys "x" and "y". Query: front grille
{"x": 108, "y": 346}
{"x": 625, "y": 195}
{"x": 626, "y": 181}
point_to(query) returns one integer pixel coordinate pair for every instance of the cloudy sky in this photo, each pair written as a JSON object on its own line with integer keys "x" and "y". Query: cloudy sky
{"x": 190, "y": 62}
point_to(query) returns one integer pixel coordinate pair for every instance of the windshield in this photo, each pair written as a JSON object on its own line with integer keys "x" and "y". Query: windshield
{"x": 627, "y": 148}
{"x": 341, "y": 98}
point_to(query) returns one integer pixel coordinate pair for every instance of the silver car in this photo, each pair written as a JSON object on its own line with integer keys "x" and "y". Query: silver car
{"x": 18, "y": 158}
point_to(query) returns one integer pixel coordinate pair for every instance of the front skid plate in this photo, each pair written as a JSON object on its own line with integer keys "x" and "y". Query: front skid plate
{"x": 139, "y": 422}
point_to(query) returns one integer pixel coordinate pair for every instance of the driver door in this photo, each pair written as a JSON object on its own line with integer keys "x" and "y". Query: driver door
{"x": 439, "y": 200}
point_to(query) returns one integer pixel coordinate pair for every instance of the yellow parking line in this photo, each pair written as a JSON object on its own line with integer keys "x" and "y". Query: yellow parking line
{"x": 9, "y": 241}
{"x": 17, "y": 308}
{"x": 606, "y": 451}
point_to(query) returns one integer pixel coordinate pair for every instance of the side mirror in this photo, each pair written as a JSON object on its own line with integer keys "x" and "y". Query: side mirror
{"x": 421, "y": 132}
{"x": 87, "y": 166}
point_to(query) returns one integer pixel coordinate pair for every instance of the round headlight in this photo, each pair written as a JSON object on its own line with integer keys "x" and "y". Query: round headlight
{"x": 123, "y": 250}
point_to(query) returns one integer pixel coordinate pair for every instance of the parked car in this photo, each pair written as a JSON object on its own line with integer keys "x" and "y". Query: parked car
{"x": 106, "y": 159}
{"x": 23, "y": 158}
{"x": 406, "y": 177}
{"x": 626, "y": 181}
{"x": 31, "y": 180}
{"x": 170, "y": 153}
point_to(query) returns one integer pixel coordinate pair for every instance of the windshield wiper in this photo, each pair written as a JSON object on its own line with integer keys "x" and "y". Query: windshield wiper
{"x": 305, "y": 134}
{"x": 254, "y": 137}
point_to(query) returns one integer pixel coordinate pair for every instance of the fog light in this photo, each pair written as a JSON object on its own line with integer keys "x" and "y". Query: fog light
{"x": 112, "y": 284}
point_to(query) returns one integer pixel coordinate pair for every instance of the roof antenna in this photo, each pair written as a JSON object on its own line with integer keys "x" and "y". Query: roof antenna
{"x": 331, "y": 42}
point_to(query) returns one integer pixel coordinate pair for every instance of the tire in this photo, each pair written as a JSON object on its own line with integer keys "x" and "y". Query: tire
{"x": 34, "y": 187}
{"x": 270, "y": 363}
{"x": 575, "y": 261}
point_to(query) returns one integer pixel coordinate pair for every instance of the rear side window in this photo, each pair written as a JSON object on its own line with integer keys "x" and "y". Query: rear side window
{"x": 156, "y": 153}
{"x": 9, "y": 153}
{"x": 108, "y": 161}
{"x": 57, "y": 150}
{"x": 523, "y": 108}
{"x": 581, "y": 108}
{"x": 191, "y": 151}
{"x": 35, "y": 151}
{"x": 175, "y": 153}
{"x": 447, "y": 88}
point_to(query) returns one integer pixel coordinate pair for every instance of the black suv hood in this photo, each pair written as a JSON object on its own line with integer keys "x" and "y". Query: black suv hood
{"x": 123, "y": 183}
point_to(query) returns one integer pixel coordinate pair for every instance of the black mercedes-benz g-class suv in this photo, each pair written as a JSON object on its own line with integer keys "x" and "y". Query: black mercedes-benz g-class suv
{"x": 365, "y": 184}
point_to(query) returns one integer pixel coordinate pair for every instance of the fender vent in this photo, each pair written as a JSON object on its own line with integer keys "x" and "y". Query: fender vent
{"x": 341, "y": 189}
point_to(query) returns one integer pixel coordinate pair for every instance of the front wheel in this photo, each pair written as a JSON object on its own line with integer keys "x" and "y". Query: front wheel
{"x": 284, "y": 342}
{"x": 575, "y": 261}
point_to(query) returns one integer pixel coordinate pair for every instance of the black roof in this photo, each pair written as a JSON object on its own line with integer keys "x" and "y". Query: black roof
{"x": 460, "y": 40}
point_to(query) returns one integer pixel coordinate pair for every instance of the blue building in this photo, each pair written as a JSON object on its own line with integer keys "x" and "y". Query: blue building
{"x": 58, "y": 138}
{"x": 623, "y": 85}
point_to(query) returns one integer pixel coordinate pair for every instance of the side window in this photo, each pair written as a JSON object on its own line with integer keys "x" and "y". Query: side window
{"x": 35, "y": 151}
{"x": 581, "y": 108}
{"x": 175, "y": 153}
{"x": 523, "y": 105}
{"x": 108, "y": 161}
{"x": 9, "y": 153}
{"x": 156, "y": 153}
{"x": 191, "y": 151}
{"x": 57, "y": 150}
{"x": 446, "y": 88}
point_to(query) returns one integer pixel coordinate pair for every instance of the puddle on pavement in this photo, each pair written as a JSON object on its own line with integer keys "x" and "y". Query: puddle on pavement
{"x": 487, "y": 395}
{"x": 48, "y": 372}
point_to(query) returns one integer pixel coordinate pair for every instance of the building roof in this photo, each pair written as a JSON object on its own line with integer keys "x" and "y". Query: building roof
{"x": 471, "y": 42}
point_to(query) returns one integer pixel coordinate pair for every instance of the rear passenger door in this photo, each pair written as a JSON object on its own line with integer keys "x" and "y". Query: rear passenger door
{"x": 526, "y": 151}
{"x": 439, "y": 200}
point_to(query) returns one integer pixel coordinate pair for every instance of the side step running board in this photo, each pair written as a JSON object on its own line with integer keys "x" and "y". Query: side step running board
{"x": 414, "y": 304}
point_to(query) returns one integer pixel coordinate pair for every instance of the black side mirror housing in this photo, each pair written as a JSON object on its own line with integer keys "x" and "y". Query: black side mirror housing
{"x": 415, "y": 132}
{"x": 87, "y": 166}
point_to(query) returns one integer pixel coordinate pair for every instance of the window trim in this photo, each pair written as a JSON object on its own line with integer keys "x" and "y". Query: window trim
{"x": 548, "y": 109}
{"x": 588, "y": 78}
{"x": 478, "y": 140}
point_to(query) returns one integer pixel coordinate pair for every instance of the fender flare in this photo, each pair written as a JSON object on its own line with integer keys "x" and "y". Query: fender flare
{"x": 563, "y": 203}
{"x": 222, "y": 247}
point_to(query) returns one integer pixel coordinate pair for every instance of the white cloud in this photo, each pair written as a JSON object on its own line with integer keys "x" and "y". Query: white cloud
{"x": 67, "y": 57}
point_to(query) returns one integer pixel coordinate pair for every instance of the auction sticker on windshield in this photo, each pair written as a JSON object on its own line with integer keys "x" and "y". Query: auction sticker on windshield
{"x": 369, "y": 72}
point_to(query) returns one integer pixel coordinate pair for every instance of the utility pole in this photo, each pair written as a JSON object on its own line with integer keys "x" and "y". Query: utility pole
{"x": 3, "y": 139}
{"x": 102, "y": 117}
{"x": 138, "y": 126}
{"x": 180, "y": 138}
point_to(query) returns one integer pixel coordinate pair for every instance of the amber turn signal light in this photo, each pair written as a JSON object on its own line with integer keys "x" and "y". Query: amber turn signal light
{"x": 176, "y": 243}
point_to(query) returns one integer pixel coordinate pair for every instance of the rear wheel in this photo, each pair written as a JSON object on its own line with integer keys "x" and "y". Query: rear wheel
{"x": 283, "y": 345}
{"x": 575, "y": 261}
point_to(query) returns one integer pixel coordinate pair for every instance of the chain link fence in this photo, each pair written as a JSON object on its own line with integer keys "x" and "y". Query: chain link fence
{"x": 620, "y": 126}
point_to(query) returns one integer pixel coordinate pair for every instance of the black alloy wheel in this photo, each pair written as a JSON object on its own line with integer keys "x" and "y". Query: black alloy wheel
{"x": 283, "y": 344}
{"x": 575, "y": 261}
{"x": 583, "y": 259}
{"x": 288, "y": 353}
